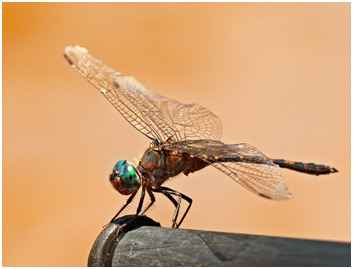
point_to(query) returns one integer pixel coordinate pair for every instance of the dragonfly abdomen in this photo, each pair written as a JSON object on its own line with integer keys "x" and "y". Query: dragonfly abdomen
{"x": 240, "y": 158}
{"x": 309, "y": 168}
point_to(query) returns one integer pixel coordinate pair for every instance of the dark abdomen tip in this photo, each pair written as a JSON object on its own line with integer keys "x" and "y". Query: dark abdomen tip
{"x": 333, "y": 170}
{"x": 308, "y": 168}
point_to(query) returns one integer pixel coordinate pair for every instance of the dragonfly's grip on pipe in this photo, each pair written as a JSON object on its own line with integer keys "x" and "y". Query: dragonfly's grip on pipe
{"x": 309, "y": 168}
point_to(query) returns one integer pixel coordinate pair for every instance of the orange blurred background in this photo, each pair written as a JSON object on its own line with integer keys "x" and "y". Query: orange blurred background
{"x": 277, "y": 74}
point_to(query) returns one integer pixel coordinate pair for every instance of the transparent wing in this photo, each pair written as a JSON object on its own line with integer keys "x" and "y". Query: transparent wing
{"x": 152, "y": 114}
{"x": 242, "y": 162}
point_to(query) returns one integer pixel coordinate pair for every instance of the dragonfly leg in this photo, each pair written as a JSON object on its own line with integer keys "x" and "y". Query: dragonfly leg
{"x": 153, "y": 199}
{"x": 142, "y": 197}
{"x": 176, "y": 206}
{"x": 168, "y": 192}
{"x": 126, "y": 204}
{"x": 130, "y": 200}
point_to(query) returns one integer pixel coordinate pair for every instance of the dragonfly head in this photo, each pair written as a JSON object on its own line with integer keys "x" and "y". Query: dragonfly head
{"x": 124, "y": 178}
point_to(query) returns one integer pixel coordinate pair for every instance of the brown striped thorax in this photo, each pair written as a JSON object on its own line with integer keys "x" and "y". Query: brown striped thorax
{"x": 155, "y": 163}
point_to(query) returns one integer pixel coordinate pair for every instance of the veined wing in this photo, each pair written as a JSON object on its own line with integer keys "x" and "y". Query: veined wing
{"x": 152, "y": 114}
{"x": 242, "y": 162}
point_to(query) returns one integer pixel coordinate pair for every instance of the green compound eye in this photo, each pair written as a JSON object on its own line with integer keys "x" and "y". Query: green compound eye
{"x": 129, "y": 178}
{"x": 118, "y": 165}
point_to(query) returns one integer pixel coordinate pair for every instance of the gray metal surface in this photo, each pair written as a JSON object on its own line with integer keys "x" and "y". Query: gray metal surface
{"x": 103, "y": 248}
{"x": 156, "y": 246}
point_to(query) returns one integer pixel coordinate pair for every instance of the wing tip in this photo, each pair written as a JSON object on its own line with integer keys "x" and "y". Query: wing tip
{"x": 69, "y": 51}
{"x": 283, "y": 196}
{"x": 75, "y": 49}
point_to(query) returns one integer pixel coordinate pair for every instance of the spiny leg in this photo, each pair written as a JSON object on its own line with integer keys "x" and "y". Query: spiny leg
{"x": 142, "y": 197}
{"x": 188, "y": 199}
{"x": 176, "y": 212}
{"x": 153, "y": 199}
{"x": 168, "y": 191}
{"x": 177, "y": 208}
{"x": 171, "y": 199}
{"x": 126, "y": 204}
{"x": 176, "y": 204}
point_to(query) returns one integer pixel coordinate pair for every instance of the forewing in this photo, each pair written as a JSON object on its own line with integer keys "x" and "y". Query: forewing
{"x": 125, "y": 93}
{"x": 152, "y": 114}
{"x": 242, "y": 162}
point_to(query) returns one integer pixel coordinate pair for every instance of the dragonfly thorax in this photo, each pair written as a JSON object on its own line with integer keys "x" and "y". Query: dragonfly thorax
{"x": 160, "y": 165}
{"x": 124, "y": 178}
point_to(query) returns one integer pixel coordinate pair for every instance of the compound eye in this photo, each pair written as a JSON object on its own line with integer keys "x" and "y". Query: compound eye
{"x": 118, "y": 165}
{"x": 129, "y": 178}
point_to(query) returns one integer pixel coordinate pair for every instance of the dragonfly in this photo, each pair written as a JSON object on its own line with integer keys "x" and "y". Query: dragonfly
{"x": 184, "y": 138}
